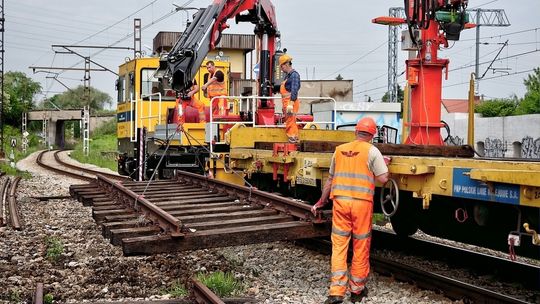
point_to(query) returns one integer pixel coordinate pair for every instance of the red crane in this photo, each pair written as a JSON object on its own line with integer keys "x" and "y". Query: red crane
{"x": 431, "y": 24}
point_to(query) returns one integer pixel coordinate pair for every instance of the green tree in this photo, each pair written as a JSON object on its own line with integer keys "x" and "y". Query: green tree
{"x": 497, "y": 107}
{"x": 339, "y": 77}
{"x": 74, "y": 99}
{"x": 19, "y": 92}
{"x": 530, "y": 104}
{"x": 386, "y": 96}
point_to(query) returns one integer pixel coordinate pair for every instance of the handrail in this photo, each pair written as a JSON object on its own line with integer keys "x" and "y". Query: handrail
{"x": 253, "y": 106}
{"x": 150, "y": 116}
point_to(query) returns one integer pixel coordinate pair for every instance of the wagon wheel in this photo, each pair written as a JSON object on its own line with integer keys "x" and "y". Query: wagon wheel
{"x": 389, "y": 197}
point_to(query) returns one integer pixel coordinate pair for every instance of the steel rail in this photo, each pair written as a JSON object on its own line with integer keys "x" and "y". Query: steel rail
{"x": 13, "y": 210}
{"x": 451, "y": 288}
{"x": 40, "y": 162}
{"x": 137, "y": 202}
{"x": 87, "y": 170}
{"x": 252, "y": 195}
{"x": 3, "y": 199}
{"x": 203, "y": 295}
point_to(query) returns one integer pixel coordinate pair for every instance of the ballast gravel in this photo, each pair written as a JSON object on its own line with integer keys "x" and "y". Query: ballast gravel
{"x": 89, "y": 269}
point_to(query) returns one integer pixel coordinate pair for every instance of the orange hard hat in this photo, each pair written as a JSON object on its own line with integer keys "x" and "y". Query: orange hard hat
{"x": 366, "y": 124}
{"x": 284, "y": 59}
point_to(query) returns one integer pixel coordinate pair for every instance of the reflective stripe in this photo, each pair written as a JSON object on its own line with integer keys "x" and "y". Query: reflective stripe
{"x": 339, "y": 273}
{"x": 348, "y": 198}
{"x": 339, "y": 283}
{"x": 353, "y": 188}
{"x": 358, "y": 280}
{"x": 361, "y": 236}
{"x": 356, "y": 289}
{"x": 340, "y": 232}
{"x": 355, "y": 175}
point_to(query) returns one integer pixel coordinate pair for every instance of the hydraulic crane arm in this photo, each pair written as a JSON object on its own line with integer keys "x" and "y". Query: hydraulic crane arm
{"x": 204, "y": 33}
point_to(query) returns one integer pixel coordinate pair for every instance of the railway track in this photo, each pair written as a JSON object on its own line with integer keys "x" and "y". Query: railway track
{"x": 424, "y": 278}
{"x": 193, "y": 212}
{"x": 8, "y": 203}
{"x": 67, "y": 169}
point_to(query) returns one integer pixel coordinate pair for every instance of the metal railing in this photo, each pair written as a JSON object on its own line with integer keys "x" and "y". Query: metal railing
{"x": 252, "y": 106}
{"x": 138, "y": 104}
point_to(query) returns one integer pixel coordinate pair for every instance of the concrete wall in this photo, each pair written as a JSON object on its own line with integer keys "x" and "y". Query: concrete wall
{"x": 511, "y": 137}
{"x": 56, "y": 120}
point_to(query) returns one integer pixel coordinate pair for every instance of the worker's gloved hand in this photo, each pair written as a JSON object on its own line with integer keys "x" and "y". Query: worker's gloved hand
{"x": 320, "y": 203}
{"x": 387, "y": 160}
{"x": 289, "y": 109}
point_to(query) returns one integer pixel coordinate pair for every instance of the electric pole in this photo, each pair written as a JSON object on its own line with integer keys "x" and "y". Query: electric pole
{"x": 485, "y": 17}
{"x": 393, "y": 39}
{"x": 2, "y": 19}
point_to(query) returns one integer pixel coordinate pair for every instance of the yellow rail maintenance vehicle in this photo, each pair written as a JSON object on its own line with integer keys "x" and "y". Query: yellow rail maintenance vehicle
{"x": 443, "y": 190}
{"x": 146, "y": 122}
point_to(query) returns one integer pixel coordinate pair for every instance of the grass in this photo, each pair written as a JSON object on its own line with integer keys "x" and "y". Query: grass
{"x": 17, "y": 153}
{"x": 55, "y": 248}
{"x": 176, "y": 290}
{"x": 379, "y": 218}
{"x": 222, "y": 284}
{"x": 103, "y": 139}
{"x": 48, "y": 298}
{"x": 103, "y": 143}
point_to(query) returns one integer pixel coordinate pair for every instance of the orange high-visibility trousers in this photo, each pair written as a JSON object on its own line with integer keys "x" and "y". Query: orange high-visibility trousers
{"x": 291, "y": 128}
{"x": 350, "y": 218}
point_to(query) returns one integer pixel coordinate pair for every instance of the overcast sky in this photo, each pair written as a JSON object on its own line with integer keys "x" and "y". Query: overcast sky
{"x": 325, "y": 38}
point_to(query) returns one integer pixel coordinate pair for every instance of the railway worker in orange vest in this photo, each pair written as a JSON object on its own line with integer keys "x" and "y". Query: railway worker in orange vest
{"x": 289, "y": 96}
{"x": 354, "y": 169}
{"x": 216, "y": 86}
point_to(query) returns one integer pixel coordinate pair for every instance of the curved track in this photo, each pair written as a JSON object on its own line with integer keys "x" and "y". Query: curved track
{"x": 8, "y": 202}
{"x": 73, "y": 170}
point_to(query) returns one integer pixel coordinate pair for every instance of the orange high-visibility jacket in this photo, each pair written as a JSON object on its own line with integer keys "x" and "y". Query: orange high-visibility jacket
{"x": 352, "y": 177}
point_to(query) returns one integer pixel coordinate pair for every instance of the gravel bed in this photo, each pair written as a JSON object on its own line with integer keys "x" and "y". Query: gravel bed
{"x": 90, "y": 269}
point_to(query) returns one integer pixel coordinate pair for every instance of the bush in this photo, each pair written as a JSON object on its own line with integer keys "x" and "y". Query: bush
{"x": 108, "y": 128}
{"x": 497, "y": 107}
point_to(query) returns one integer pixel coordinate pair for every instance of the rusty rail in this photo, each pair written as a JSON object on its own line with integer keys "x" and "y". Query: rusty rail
{"x": 203, "y": 295}
{"x": 252, "y": 195}
{"x": 137, "y": 202}
{"x": 13, "y": 210}
{"x": 40, "y": 162}
{"x": 3, "y": 199}
{"x": 87, "y": 170}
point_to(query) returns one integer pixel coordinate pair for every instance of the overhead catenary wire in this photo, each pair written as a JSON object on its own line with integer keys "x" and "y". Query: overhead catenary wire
{"x": 356, "y": 60}
{"x": 143, "y": 28}
{"x": 493, "y": 77}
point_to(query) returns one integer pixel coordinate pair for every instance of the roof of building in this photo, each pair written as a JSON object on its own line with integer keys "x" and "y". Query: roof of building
{"x": 164, "y": 41}
{"x": 458, "y": 105}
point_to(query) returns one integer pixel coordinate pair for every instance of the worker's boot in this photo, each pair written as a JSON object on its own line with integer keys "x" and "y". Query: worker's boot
{"x": 334, "y": 300}
{"x": 358, "y": 297}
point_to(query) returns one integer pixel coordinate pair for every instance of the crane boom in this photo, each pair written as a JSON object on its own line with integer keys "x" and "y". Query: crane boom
{"x": 204, "y": 33}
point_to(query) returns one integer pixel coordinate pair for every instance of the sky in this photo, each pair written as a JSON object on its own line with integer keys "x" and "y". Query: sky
{"x": 325, "y": 38}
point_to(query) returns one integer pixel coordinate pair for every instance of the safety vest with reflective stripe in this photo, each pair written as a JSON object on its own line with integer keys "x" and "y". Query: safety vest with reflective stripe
{"x": 216, "y": 88}
{"x": 352, "y": 177}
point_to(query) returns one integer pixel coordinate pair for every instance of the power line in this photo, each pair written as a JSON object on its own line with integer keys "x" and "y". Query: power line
{"x": 504, "y": 35}
{"x": 355, "y": 61}
{"x": 502, "y": 58}
{"x": 493, "y": 77}
{"x": 116, "y": 23}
